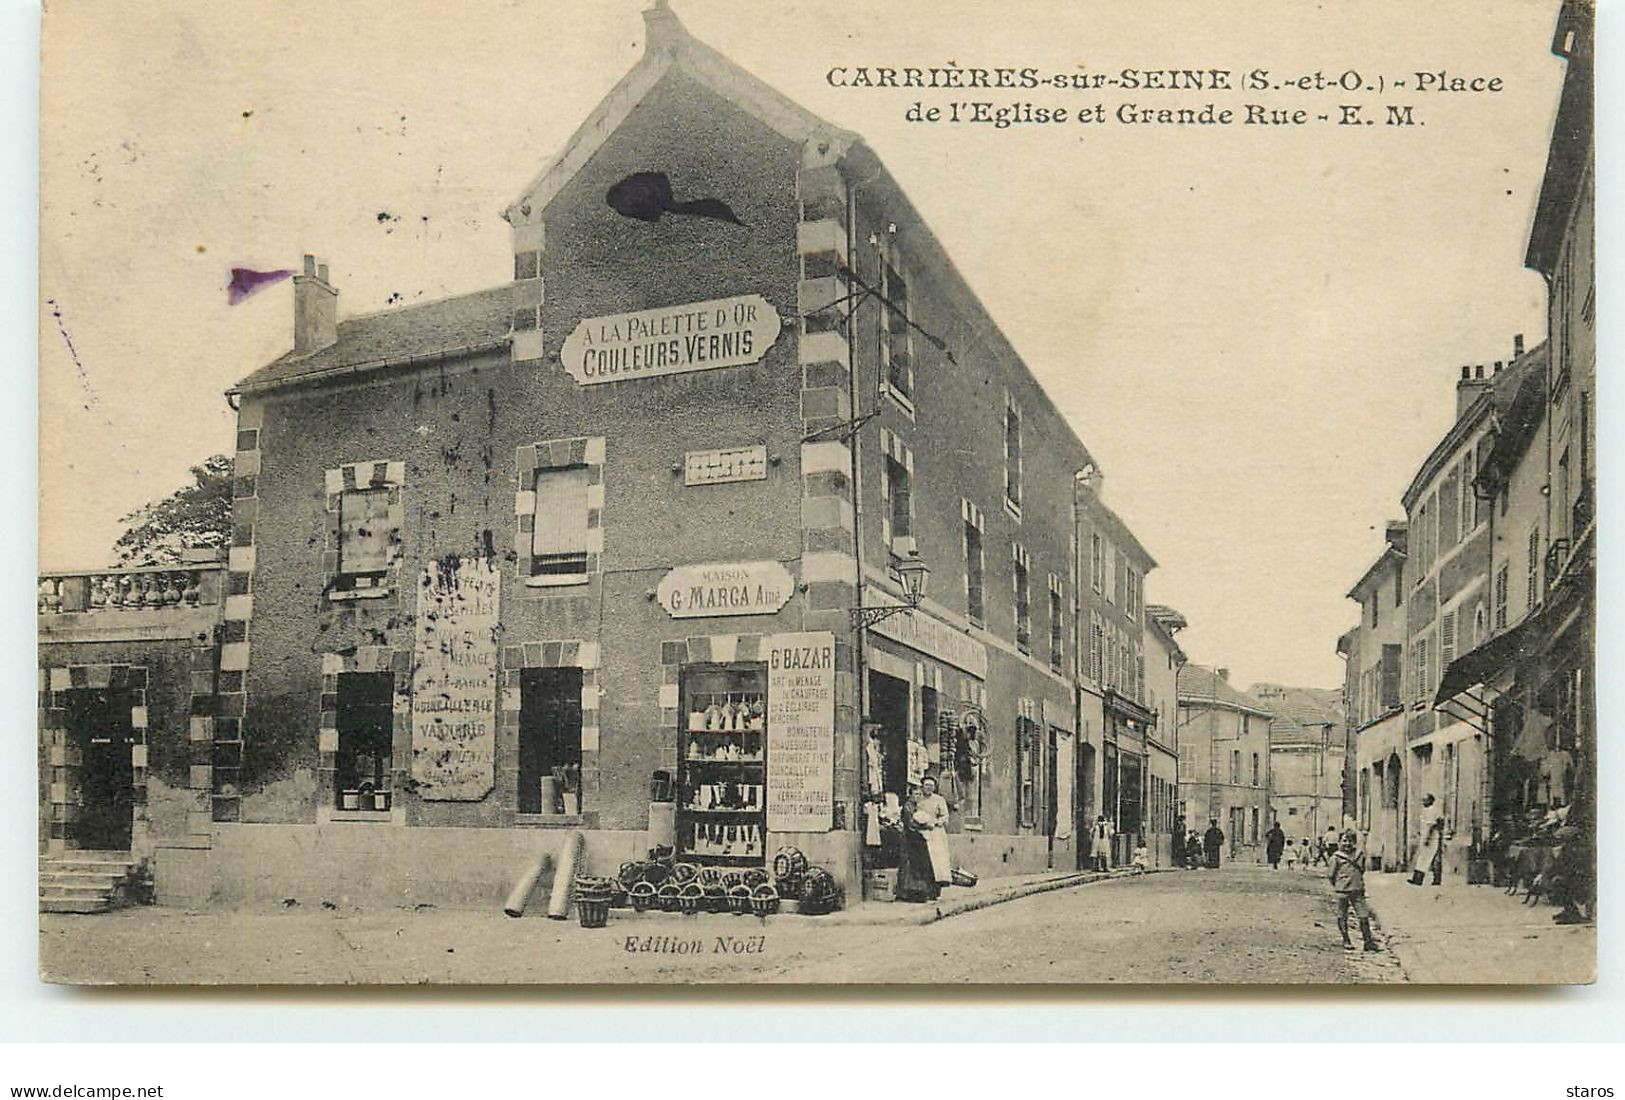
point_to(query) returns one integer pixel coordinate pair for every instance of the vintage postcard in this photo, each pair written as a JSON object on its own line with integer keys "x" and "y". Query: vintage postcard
{"x": 707, "y": 491}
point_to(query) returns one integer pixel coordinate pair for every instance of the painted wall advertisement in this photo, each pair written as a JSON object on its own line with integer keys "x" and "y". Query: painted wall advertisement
{"x": 801, "y": 732}
{"x": 454, "y": 680}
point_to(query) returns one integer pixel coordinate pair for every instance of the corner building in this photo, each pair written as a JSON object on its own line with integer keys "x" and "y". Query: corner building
{"x": 582, "y": 551}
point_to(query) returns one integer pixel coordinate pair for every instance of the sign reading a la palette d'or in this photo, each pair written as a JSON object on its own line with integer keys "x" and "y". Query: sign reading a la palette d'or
{"x": 454, "y": 680}
{"x": 725, "y": 588}
{"x": 724, "y": 332}
{"x": 800, "y": 732}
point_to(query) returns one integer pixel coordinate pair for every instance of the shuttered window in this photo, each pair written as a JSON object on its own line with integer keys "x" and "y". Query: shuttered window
{"x": 560, "y": 541}
{"x": 364, "y": 532}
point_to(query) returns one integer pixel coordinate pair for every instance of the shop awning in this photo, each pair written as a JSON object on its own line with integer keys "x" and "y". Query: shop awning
{"x": 1479, "y": 665}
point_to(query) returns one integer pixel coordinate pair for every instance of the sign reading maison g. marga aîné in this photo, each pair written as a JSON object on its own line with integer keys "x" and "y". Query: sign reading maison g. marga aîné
{"x": 724, "y": 332}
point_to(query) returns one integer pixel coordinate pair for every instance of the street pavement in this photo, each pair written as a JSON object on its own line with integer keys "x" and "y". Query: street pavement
{"x": 1468, "y": 935}
{"x": 1238, "y": 924}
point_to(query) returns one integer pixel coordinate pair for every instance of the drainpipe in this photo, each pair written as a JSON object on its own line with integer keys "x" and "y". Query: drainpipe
{"x": 857, "y": 510}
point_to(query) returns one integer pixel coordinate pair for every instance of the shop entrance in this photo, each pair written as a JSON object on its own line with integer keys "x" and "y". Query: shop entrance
{"x": 100, "y": 734}
{"x": 1083, "y": 802}
{"x": 888, "y": 717}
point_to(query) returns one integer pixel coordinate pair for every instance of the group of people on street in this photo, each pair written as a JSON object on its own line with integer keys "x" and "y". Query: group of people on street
{"x": 923, "y": 866}
{"x": 1192, "y": 850}
{"x": 1304, "y": 853}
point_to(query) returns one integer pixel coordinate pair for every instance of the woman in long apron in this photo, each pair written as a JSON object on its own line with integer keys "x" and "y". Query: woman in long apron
{"x": 915, "y": 878}
{"x": 931, "y": 815}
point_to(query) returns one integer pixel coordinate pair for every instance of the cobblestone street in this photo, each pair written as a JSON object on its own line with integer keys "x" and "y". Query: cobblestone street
{"x": 1240, "y": 924}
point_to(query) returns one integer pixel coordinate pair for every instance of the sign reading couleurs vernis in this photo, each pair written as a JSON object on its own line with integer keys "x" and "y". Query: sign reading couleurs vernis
{"x": 725, "y": 588}
{"x": 724, "y": 332}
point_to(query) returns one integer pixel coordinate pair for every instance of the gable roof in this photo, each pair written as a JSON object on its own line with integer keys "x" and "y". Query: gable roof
{"x": 442, "y": 329}
{"x": 1201, "y": 685}
{"x": 668, "y": 45}
{"x": 1300, "y": 713}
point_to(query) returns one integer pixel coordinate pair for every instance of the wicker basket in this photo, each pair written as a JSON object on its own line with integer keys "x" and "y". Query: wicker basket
{"x": 691, "y": 898}
{"x": 667, "y": 895}
{"x": 739, "y": 899}
{"x": 764, "y": 900}
{"x": 593, "y": 912}
{"x": 642, "y": 896}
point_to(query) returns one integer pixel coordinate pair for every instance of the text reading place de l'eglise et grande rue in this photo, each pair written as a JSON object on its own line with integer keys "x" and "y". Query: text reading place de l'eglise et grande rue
{"x": 1338, "y": 95}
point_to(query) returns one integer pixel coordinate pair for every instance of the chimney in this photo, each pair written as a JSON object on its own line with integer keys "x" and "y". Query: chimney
{"x": 1471, "y": 385}
{"x": 315, "y": 309}
{"x": 1223, "y": 674}
{"x": 662, "y": 28}
{"x": 1396, "y": 534}
{"x": 1517, "y": 346}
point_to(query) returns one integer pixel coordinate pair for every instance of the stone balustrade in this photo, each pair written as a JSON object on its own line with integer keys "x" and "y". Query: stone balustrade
{"x": 135, "y": 588}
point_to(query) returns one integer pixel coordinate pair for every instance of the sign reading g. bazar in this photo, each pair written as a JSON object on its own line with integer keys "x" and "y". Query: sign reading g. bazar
{"x": 724, "y": 332}
{"x": 725, "y": 588}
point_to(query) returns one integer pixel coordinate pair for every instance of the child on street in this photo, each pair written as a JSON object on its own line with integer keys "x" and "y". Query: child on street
{"x": 1347, "y": 876}
{"x": 1291, "y": 857}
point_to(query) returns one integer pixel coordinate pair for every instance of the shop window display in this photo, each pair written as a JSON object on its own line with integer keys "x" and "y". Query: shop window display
{"x": 722, "y": 764}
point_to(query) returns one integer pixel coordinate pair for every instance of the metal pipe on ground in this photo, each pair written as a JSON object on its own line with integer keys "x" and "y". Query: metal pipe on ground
{"x": 558, "y": 906}
{"x": 519, "y": 896}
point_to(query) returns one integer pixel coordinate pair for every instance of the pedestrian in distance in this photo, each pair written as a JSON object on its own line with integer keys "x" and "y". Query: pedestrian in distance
{"x": 1142, "y": 857}
{"x": 1305, "y": 855}
{"x": 1212, "y": 841}
{"x": 1177, "y": 848}
{"x": 1274, "y": 844}
{"x": 1193, "y": 851}
{"x": 1329, "y": 841}
{"x": 1100, "y": 843}
{"x": 1347, "y": 876}
{"x": 1291, "y": 857}
{"x": 1430, "y": 853}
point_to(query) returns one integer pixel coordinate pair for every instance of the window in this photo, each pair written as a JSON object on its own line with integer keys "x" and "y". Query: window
{"x": 1027, "y": 758}
{"x": 365, "y": 718}
{"x": 1133, "y": 594}
{"x": 1235, "y": 765}
{"x": 1012, "y": 457}
{"x": 902, "y": 504}
{"x": 1533, "y": 592}
{"x": 1467, "y": 514}
{"x": 559, "y": 540}
{"x": 1097, "y": 649}
{"x": 1097, "y": 562}
{"x": 1501, "y": 581}
{"x": 1399, "y": 584}
{"x": 1057, "y": 624}
{"x": 1024, "y": 600}
{"x": 897, "y": 515}
{"x": 975, "y": 596}
{"x": 1447, "y": 638}
{"x": 1374, "y": 602}
{"x": 364, "y": 524}
{"x": 1255, "y": 769}
{"x": 560, "y": 509}
{"x": 549, "y": 738}
{"x": 897, "y": 346}
{"x": 1252, "y": 832}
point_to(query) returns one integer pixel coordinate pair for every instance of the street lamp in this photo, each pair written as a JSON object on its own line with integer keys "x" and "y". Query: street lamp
{"x": 913, "y": 573}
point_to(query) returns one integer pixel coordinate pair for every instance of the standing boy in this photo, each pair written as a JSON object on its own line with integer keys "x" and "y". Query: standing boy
{"x": 1347, "y": 876}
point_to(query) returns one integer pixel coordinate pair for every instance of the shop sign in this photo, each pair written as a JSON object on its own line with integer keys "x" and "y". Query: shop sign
{"x": 928, "y": 634}
{"x": 725, "y": 588}
{"x": 723, "y": 332}
{"x": 454, "y": 680}
{"x": 800, "y": 732}
{"x": 720, "y": 467}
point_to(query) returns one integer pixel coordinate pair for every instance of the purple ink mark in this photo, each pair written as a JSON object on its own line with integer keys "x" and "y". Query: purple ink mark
{"x": 73, "y": 353}
{"x": 246, "y": 281}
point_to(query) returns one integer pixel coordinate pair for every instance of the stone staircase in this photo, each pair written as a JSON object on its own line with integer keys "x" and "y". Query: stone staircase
{"x": 92, "y": 882}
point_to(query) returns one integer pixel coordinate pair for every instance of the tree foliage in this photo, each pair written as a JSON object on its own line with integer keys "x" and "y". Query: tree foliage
{"x": 196, "y": 516}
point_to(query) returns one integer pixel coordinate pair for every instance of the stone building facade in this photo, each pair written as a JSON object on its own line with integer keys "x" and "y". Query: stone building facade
{"x": 1224, "y": 760}
{"x": 587, "y": 550}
